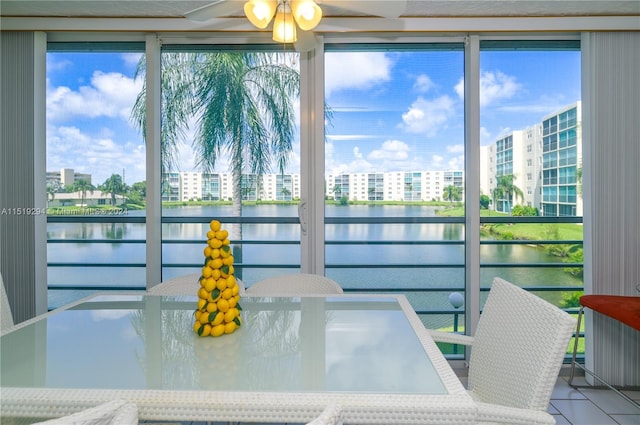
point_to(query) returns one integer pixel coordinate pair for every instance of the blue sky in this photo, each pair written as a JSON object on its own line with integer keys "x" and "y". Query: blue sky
{"x": 392, "y": 110}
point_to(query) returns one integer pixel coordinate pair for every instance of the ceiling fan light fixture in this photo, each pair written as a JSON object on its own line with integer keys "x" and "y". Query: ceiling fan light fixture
{"x": 284, "y": 27}
{"x": 260, "y": 12}
{"x": 306, "y": 13}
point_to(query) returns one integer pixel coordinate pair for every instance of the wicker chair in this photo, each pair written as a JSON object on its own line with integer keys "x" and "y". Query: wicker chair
{"x": 516, "y": 355}
{"x": 295, "y": 285}
{"x": 6, "y": 316}
{"x": 116, "y": 412}
{"x": 183, "y": 285}
{"x": 332, "y": 415}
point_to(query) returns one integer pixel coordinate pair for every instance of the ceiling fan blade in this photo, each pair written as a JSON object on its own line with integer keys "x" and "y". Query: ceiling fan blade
{"x": 306, "y": 41}
{"x": 216, "y": 9}
{"x": 383, "y": 8}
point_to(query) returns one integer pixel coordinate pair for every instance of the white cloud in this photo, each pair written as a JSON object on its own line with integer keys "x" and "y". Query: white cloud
{"x": 485, "y": 136}
{"x": 391, "y": 150}
{"x": 391, "y": 155}
{"x": 357, "y": 70}
{"x": 423, "y": 83}
{"x": 69, "y": 147}
{"x": 494, "y": 86}
{"x": 131, "y": 59}
{"x": 456, "y": 163}
{"x": 108, "y": 95}
{"x": 459, "y": 148}
{"x": 428, "y": 117}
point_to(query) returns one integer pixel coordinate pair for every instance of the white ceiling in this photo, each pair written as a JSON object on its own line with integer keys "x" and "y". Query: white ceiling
{"x": 415, "y": 8}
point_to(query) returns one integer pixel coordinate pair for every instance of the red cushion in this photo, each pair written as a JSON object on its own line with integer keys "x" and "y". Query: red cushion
{"x": 625, "y": 309}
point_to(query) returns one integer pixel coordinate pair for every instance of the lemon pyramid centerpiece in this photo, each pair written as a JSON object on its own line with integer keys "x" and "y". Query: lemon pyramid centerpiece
{"x": 219, "y": 309}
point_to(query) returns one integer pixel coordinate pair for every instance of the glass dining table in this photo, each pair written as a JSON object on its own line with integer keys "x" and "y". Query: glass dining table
{"x": 290, "y": 358}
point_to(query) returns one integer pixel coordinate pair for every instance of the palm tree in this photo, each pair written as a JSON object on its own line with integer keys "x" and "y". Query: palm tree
{"x": 337, "y": 191}
{"x": 243, "y": 106}
{"x": 285, "y": 193}
{"x": 51, "y": 193}
{"x": 83, "y": 186}
{"x": 507, "y": 190}
{"x": 114, "y": 186}
{"x": 452, "y": 193}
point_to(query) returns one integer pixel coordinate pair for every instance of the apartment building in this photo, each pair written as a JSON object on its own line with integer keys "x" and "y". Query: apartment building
{"x": 544, "y": 160}
{"x": 66, "y": 177}
{"x": 194, "y": 186}
{"x": 394, "y": 186}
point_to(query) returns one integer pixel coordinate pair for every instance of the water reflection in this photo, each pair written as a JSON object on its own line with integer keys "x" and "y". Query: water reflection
{"x": 429, "y": 265}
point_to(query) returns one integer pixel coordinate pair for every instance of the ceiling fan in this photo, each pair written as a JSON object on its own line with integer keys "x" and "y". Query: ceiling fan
{"x": 294, "y": 20}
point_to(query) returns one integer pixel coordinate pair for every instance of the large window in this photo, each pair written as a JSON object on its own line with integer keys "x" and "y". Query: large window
{"x": 231, "y": 152}
{"x": 394, "y": 184}
{"x": 530, "y": 104}
{"x": 95, "y": 169}
{"x": 394, "y": 160}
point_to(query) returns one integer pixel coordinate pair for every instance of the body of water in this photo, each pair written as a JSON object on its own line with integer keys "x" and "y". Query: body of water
{"x": 355, "y": 265}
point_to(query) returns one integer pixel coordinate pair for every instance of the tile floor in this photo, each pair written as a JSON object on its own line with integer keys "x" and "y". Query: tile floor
{"x": 590, "y": 406}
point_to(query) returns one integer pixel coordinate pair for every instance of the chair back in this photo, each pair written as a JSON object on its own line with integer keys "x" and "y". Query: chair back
{"x": 332, "y": 415}
{"x": 518, "y": 348}
{"x": 294, "y": 285}
{"x": 6, "y": 317}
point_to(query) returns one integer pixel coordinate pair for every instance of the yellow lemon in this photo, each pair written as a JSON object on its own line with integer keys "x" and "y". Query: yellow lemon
{"x": 214, "y": 225}
{"x": 227, "y": 293}
{"x": 218, "y": 318}
{"x": 231, "y": 269}
{"x": 225, "y": 251}
{"x": 211, "y": 234}
{"x": 204, "y": 318}
{"x": 235, "y": 289}
{"x": 206, "y": 272}
{"x": 206, "y": 330}
{"x": 217, "y": 330}
{"x": 221, "y": 284}
{"x": 226, "y": 242}
{"x": 223, "y": 305}
{"x": 209, "y": 284}
{"x": 230, "y": 327}
{"x": 197, "y": 315}
{"x": 215, "y": 253}
{"x": 228, "y": 261}
{"x": 217, "y": 263}
{"x": 214, "y": 243}
{"x": 201, "y": 305}
{"x": 207, "y": 251}
{"x": 232, "y": 302}
{"x": 212, "y": 307}
{"x": 215, "y": 274}
{"x": 222, "y": 235}
{"x": 230, "y": 315}
{"x": 202, "y": 293}
{"x": 196, "y": 327}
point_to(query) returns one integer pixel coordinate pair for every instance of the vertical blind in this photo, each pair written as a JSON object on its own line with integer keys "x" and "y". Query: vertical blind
{"x": 611, "y": 120}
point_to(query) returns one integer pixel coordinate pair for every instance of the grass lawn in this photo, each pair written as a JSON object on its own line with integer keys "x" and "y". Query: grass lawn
{"x": 526, "y": 231}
